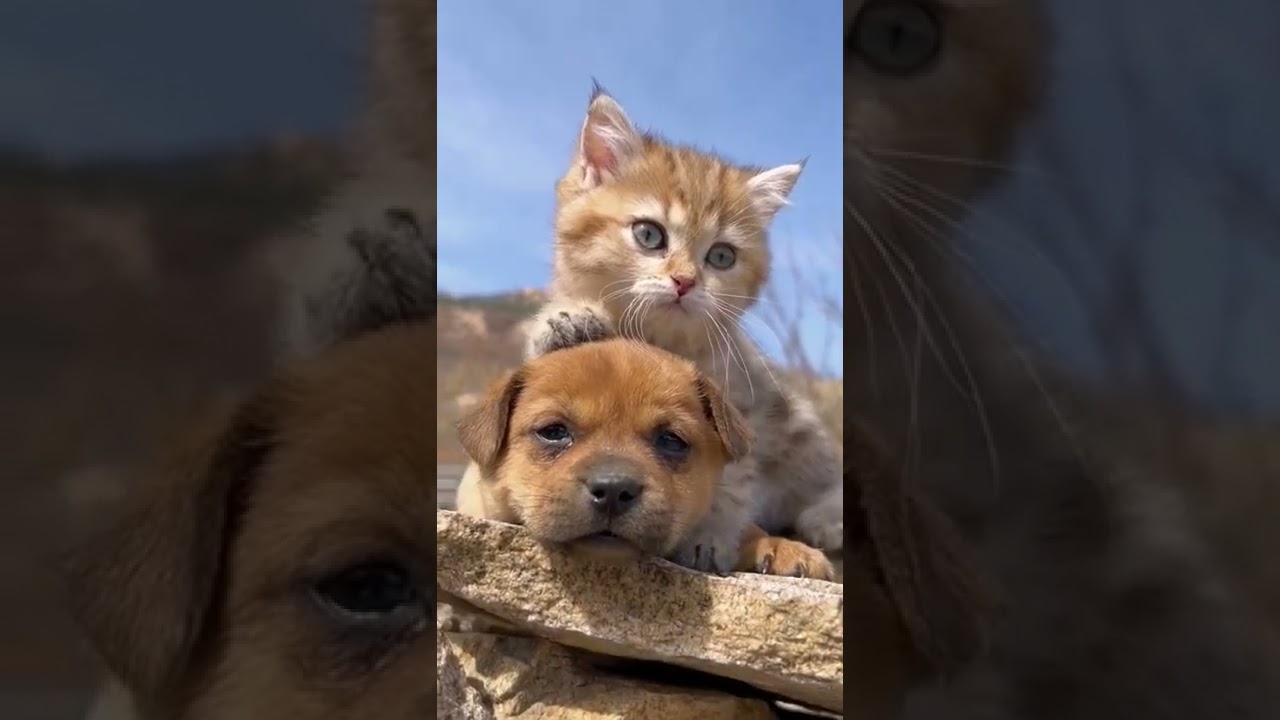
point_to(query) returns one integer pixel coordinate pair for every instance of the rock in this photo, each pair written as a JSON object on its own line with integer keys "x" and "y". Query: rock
{"x": 456, "y": 699}
{"x": 526, "y": 677}
{"x": 782, "y": 635}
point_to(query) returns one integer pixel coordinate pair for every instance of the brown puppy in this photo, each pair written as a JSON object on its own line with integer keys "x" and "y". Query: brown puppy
{"x": 283, "y": 566}
{"x": 614, "y": 445}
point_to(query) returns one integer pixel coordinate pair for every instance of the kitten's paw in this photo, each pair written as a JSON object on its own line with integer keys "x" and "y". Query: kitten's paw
{"x": 710, "y": 549}
{"x": 394, "y": 246}
{"x": 822, "y": 525}
{"x": 564, "y": 325}
{"x": 362, "y": 272}
{"x": 771, "y": 555}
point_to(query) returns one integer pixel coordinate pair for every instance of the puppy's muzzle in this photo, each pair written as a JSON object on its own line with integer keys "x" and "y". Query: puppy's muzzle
{"x": 613, "y": 486}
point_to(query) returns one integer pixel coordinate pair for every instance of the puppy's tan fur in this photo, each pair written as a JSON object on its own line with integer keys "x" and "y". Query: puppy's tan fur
{"x": 614, "y": 396}
{"x": 199, "y": 595}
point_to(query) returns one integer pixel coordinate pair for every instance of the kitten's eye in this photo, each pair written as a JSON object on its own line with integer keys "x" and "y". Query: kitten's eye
{"x": 722, "y": 256}
{"x": 375, "y": 593}
{"x": 895, "y": 36}
{"x": 649, "y": 235}
{"x": 554, "y": 434}
{"x": 670, "y": 444}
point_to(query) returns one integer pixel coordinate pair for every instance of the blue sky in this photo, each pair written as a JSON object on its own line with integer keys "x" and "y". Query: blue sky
{"x": 759, "y": 82}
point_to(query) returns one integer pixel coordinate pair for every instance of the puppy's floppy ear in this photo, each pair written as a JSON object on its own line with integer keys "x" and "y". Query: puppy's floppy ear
{"x": 945, "y": 600}
{"x": 729, "y": 424}
{"x": 143, "y": 585}
{"x": 483, "y": 430}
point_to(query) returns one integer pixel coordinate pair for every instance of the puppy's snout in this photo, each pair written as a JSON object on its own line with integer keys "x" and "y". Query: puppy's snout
{"x": 613, "y": 493}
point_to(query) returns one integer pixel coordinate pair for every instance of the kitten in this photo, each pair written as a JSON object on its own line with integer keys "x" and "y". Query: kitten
{"x": 669, "y": 244}
{"x": 1109, "y": 611}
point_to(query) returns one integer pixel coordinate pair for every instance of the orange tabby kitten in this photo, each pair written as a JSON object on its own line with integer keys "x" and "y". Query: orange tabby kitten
{"x": 669, "y": 244}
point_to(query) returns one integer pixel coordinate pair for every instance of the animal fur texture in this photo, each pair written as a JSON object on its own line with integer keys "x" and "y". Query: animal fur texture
{"x": 1109, "y": 607}
{"x": 623, "y": 414}
{"x": 368, "y": 258}
{"x": 669, "y": 244}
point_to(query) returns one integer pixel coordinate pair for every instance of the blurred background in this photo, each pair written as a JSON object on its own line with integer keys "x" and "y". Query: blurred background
{"x": 152, "y": 152}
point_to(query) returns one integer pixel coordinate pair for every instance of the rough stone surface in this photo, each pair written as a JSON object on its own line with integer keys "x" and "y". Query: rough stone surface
{"x": 783, "y": 635}
{"x": 527, "y": 677}
{"x": 456, "y": 699}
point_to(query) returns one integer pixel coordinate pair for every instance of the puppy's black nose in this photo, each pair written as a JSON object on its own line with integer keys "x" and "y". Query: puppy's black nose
{"x": 613, "y": 494}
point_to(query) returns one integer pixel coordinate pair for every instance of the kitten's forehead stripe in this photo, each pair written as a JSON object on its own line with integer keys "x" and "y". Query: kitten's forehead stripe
{"x": 649, "y": 208}
{"x": 676, "y": 214}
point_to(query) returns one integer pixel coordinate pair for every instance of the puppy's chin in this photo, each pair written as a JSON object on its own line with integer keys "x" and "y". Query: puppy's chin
{"x": 607, "y": 546}
{"x": 644, "y": 531}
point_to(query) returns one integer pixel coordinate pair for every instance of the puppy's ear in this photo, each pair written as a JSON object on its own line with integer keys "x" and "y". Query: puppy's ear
{"x": 483, "y": 430}
{"x": 143, "y": 585}
{"x": 945, "y": 600}
{"x": 729, "y": 424}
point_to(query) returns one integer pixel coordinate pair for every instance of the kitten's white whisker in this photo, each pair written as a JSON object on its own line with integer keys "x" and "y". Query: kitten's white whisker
{"x": 888, "y": 262}
{"x": 976, "y": 394}
{"x": 942, "y": 247}
{"x": 628, "y": 314}
{"x": 734, "y": 352}
{"x": 855, "y": 273}
{"x": 711, "y": 346}
{"x": 741, "y": 316}
{"x": 764, "y": 362}
{"x": 953, "y": 339}
{"x": 730, "y": 356}
{"x": 975, "y": 210}
{"x": 958, "y": 160}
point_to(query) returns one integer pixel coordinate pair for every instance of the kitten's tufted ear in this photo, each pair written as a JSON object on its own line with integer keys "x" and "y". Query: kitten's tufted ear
{"x": 769, "y": 189}
{"x": 608, "y": 140}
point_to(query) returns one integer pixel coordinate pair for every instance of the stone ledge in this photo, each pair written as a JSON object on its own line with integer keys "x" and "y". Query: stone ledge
{"x": 782, "y": 635}
{"x": 527, "y": 677}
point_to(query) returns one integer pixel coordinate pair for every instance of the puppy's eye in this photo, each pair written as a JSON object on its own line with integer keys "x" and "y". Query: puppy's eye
{"x": 555, "y": 434}
{"x": 897, "y": 37}
{"x": 649, "y": 235}
{"x": 671, "y": 444}
{"x": 377, "y": 592}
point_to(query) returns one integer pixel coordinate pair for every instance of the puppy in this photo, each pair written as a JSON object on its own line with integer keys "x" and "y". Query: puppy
{"x": 614, "y": 445}
{"x": 282, "y": 566}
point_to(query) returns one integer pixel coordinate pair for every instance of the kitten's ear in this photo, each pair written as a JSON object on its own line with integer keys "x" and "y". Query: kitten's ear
{"x": 770, "y": 188}
{"x": 608, "y": 140}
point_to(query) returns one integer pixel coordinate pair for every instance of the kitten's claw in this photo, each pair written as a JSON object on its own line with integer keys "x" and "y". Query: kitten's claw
{"x": 710, "y": 549}
{"x": 558, "y": 327}
{"x": 771, "y": 555}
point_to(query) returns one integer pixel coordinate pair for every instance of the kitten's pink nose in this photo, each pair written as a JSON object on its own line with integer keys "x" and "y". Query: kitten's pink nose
{"x": 684, "y": 283}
